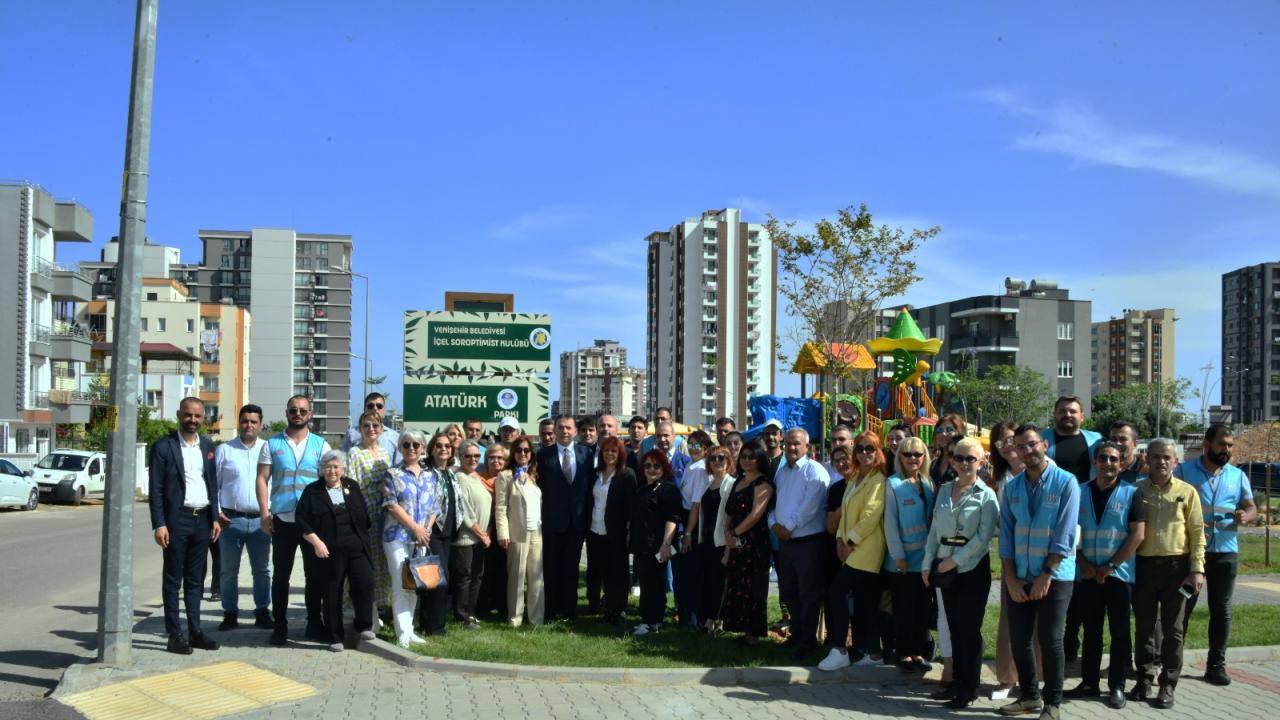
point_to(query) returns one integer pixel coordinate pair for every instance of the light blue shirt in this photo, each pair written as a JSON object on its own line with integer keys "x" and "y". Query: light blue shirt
{"x": 802, "y": 498}
{"x": 237, "y": 467}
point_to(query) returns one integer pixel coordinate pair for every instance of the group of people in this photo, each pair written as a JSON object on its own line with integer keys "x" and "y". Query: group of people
{"x": 884, "y": 543}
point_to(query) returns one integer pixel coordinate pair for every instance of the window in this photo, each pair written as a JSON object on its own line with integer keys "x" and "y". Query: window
{"x": 212, "y": 325}
{"x": 152, "y": 297}
{"x": 209, "y": 383}
{"x": 144, "y": 324}
{"x": 1064, "y": 369}
{"x": 154, "y": 398}
{"x": 228, "y": 246}
{"x": 161, "y": 324}
{"x": 322, "y": 249}
{"x": 1066, "y": 331}
{"x": 302, "y": 263}
{"x": 304, "y": 247}
{"x": 211, "y": 414}
{"x": 191, "y": 326}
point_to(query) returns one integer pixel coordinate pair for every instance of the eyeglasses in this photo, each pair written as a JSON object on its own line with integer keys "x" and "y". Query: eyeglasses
{"x": 964, "y": 459}
{"x": 1002, "y": 444}
{"x": 523, "y": 451}
{"x": 370, "y": 426}
{"x": 1027, "y": 447}
{"x": 373, "y": 406}
{"x": 296, "y": 411}
{"x": 717, "y": 459}
{"x": 652, "y": 466}
{"x": 443, "y": 446}
{"x": 694, "y": 446}
{"x": 840, "y": 459}
{"x": 410, "y": 446}
{"x": 471, "y": 456}
{"x": 1108, "y": 459}
{"x": 865, "y": 448}
{"x": 946, "y": 430}
{"x": 912, "y": 455}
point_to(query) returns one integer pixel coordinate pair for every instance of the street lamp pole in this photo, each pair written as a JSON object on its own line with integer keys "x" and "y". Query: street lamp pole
{"x": 368, "y": 364}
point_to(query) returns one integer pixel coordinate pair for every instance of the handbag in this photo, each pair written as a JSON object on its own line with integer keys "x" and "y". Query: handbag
{"x": 422, "y": 572}
{"x": 941, "y": 580}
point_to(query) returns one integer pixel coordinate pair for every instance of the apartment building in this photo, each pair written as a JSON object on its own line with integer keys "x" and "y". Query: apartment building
{"x": 596, "y": 379}
{"x": 1135, "y": 349}
{"x": 712, "y": 316}
{"x": 1250, "y": 364}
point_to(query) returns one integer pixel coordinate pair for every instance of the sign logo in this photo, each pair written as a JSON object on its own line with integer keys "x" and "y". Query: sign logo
{"x": 540, "y": 338}
{"x": 507, "y": 398}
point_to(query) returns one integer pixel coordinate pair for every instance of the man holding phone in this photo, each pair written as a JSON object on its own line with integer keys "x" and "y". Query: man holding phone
{"x": 1170, "y": 570}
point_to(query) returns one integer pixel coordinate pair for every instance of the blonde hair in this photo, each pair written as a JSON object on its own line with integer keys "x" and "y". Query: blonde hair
{"x": 912, "y": 443}
{"x": 972, "y": 443}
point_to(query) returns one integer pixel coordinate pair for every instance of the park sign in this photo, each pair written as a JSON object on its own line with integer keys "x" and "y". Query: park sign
{"x": 476, "y": 342}
{"x": 434, "y": 401}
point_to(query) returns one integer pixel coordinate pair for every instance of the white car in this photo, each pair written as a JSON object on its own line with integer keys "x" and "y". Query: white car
{"x": 17, "y": 488}
{"x": 71, "y": 475}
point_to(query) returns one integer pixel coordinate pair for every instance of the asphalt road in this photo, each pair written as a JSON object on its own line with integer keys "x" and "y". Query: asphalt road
{"x": 49, "y": 572}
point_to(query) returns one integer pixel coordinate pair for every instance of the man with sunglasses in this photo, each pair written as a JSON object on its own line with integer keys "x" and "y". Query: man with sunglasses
{"x": 289, "y": 462}
{"x": 1226, "y": 501}
{"x": 1112, "y": 525}
{"x": 375, "y": 402}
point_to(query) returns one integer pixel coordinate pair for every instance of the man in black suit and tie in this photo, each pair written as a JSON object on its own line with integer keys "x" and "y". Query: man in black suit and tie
{"x": 565, "y": 469}
{"x": 184, "y": 514}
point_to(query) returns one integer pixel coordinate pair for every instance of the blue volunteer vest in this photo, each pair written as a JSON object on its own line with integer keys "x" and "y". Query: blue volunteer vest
{"x": 1091, "y": 438}
{"x": 1224, "y": 501}
{"x": 1032, "y": 533}
{"x": 913, "y": 520}
{"x": 1100, "y": 540}
{"x": 289, "y": 477}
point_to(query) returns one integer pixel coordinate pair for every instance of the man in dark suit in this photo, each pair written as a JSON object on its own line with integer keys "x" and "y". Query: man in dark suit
{"x": 184, "y": 515}
{"x": 565, "y": 470}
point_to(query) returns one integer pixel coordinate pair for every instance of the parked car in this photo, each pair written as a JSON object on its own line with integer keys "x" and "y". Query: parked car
{"x": 1257, "y": 474}
{"x": 17, "y": 488}
{"x": 71, "y": 475}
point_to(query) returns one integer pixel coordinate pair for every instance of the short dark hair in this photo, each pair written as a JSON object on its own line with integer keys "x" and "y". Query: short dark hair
{"x": 637, "y": 419}
{"x": 1215, "y": 431}
{"x": 732, "y": 434}
{"x": 726, "y": 421}
{"x": 374, "y": 396}
{"x": 587, "y": 421}
{"x": 566, "y": 416}
{"x": 1122, "y": 425}
{"x": 472, "y": 421}
{"x": 1108, "y": 445}
{"x": 298, "y": 397}
{"x": 251, "y": 408}
{"x": 1068, "y": 398}
{"x": 664, "y": 407}
{"x": 1027, "y": 427}
{"x": 700, "y": 437}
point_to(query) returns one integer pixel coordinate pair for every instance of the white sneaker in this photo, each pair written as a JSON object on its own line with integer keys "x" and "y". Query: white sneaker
{"x": 643, "y": 629}
{"x": 635, "y": 591}
{"x": 866, "y": 660}
{"x": 834, "y": 660}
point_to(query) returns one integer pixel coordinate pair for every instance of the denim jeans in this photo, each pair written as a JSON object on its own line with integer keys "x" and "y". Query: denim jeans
{"x": 245, "y": 532}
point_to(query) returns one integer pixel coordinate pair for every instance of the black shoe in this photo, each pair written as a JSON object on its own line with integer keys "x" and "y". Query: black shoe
{"x": 200, "y": 641}
{"x": 279, "y": 637}
{"x": 262, "y": 619}
{"x": 1141, "y": 691}
{"x": 1082, "y": 690}
{"x": 1164, "y": 699}
{"x": 1217, "y": 676}
{"x": 945, "y": 691}
{"x": 316, "y": 634}
{"x": 215, "y": 595}
{"x": 230, "y": 621}
{"x": 1115, "y": 699}
{"x": 178, "y": 645}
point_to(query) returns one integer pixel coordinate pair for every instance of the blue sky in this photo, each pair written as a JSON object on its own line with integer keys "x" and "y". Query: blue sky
{"x": 1127, "y": 150}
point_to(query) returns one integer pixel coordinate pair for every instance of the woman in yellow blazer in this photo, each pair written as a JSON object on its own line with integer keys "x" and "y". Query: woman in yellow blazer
{"x": 860, "y": 546}
{"x": 517, "y": 502}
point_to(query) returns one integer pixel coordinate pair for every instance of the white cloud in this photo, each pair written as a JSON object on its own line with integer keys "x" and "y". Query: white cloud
{"x": 1075, "y": 130}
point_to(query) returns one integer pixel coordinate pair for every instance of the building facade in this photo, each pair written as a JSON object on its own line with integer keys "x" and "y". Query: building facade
{"x": 1032, "y": 325}
{"x": 712, "y": 316}
{"x": 42, "y": 350}
{"x": 596, "y": 380}
{"x": 1135, "y": 349}
{"x": 1250, "y": 378}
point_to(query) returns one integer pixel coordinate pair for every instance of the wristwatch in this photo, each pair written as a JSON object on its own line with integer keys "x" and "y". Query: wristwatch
{"x": 1113, "y": 566}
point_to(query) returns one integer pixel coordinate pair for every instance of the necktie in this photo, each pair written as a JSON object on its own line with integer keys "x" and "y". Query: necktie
{"x": 566, "y": 466}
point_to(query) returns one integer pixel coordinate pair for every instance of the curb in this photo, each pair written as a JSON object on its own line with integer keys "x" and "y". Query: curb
{"x": 72, "y": 675}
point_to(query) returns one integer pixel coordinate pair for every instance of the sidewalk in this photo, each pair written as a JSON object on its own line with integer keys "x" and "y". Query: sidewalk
{"x": 314, "y": 683}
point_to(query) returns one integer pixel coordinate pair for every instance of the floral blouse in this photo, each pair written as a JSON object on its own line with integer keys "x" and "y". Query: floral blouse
{"x": 416, "y": 495}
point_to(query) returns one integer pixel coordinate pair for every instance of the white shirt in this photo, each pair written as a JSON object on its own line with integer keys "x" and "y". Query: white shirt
{"x": 237, "y": 468}
{"x": 722, "y": 518}
{"x": 298, "y": 448}
{"x": 600, "y": 493}
{"x": 802, "y": 497}
{"x": 695, "y": 484}
{"x": 532, "y": 506}
{"x": 193, "y": 472}
{"x": 573, "y": 459}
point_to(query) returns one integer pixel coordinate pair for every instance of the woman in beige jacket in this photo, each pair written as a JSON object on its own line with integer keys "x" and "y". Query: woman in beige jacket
{"x": 518, "y": 511}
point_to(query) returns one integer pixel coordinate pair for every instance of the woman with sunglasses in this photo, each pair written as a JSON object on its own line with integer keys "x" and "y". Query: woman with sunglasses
{"x": 453, "y": 514}
{"x": 368, "y": 463}
{"x": 609, "y": 511}
{"x": 1005, "y": 463}
{"x": 949, "y": 429}
{"x": 711, "y": 535}
{"x": 964, "y": 521}
{"x": 908, "y": 510}
{"x": 746, "y": 548}
{"x": 655, "y": 512}
{"x": 409, "y": 507}
{"x": 493, "y": 587}
{"x": 453, "y": 431}
{"x": 518, "y": 508}
{"x": 686, "y": 564}
{"x": 860, "y": 549}
{"x": 467, "y": 562}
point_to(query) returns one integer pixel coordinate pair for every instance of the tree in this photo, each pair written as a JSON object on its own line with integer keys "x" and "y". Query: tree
{"x": 1136, "y": 403}
{"x": 149, "y": 429}
{"x": 1005, "y": 392}
{"x": 836, "y": 279}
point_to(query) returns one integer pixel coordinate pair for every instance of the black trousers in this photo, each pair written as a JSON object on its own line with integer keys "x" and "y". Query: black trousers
{"x": 912, "y": 606}
{"x": 347, "y": 564}
{"x": 714, "y": 572}
{"x": 1048, "y": 617}
{"x": 1112, "y": 602}
{"x": 466, "y": 568}
{"x": 1071, "y": 636}
{"x": 1156, "y": 596}
{"x": 1219, "y": 584}
{"x": 561, "y": 553}
{"x": 865, "y": 587}
{"x": 184, "y": 565}
{"x": 607, "y": 571}
{"x": 286, "y": 540}
{"x": 433, "y": 605}
{"x": 965, "y": 601}
{"x": 800, "y": 584}
{"x": 493, "y": 586}
{"x": 215, "y": 567}
{"x": 653, "y": 588}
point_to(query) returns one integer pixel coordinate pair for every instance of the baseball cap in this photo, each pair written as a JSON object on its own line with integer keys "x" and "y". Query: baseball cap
{"x": 774, "y": 422}
{"x": 509, "y": 422}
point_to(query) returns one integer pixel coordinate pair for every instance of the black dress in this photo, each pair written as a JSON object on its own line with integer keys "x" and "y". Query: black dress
{"x": 747, "y": 580}
{"x": 713, "y": 570}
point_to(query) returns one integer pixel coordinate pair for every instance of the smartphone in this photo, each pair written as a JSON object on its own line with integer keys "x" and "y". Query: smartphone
{"x": 1188, "y": 590}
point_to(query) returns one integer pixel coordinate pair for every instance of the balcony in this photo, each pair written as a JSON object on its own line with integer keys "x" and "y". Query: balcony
{"x": 69, "y": 341}
{"x": 39, "y": 401}
{"x": 73, "y": 223}
{"x": 41, "y": 275}
{"x": 984, "y": 305}
{"x": 984, "y": 342}
{"x": 40, "y": 336}
{"x": 70, "y": 406}
{"x": 70, "y": 284}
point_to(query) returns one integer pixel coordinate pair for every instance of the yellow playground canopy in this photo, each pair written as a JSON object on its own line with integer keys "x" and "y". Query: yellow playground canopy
{"x": 812, "y": 360}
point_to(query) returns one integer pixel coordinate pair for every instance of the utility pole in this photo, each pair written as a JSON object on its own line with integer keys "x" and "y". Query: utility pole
{"x": 115, "y": 595}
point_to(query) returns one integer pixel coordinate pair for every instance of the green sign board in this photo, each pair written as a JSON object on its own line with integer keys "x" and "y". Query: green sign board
{"x": 435, "y": 401}
{"x": 476, "y": 342}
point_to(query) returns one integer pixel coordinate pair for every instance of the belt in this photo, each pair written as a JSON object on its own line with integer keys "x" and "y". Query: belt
{"x": 237, "y": 513}
{"x": 194, "y": 510}
{"x": 1164, "y": 559}
{"x": 807, "y": 538}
